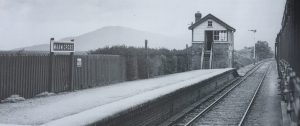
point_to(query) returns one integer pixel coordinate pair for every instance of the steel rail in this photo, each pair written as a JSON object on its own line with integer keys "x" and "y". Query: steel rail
{"x": 253, "y": 97}
{"x": 221, "y": 97}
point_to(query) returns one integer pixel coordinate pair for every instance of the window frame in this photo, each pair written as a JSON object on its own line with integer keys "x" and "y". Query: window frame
{"x": 216, "y": 35}
{"x": 220, "y": 35}
{"x": 209, "y": 23}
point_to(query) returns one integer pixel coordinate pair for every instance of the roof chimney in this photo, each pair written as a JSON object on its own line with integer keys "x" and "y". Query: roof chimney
{"x": 198, "y": 16}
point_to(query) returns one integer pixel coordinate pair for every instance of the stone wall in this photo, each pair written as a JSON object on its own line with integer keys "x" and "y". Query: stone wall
{"x": 220, "y": 58}
{"x": 196, "y": 56}
{"x": 220, "y": 55}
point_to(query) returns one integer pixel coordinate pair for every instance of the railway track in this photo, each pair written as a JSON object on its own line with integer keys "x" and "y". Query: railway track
{"x": 230, "y": 106}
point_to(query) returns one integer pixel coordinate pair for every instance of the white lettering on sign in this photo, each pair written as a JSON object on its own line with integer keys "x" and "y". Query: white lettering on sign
{"x": 60, "y": 46}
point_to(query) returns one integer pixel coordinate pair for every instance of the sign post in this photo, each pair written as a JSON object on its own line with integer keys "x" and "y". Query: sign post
{"x": 61, "y": 47}
{"x": 71, "y": 47}
{"x": 51, "y": 60}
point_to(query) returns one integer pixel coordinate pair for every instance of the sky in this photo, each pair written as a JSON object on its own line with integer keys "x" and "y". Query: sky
{"x": 31, "y": 22}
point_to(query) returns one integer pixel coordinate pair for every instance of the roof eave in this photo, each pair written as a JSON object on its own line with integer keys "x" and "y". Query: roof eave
{"x": 214, "y": 18}
{"x": 230, "y": 29}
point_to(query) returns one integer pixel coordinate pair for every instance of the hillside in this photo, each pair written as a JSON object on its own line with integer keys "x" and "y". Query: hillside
{"x": 117, "y": 35}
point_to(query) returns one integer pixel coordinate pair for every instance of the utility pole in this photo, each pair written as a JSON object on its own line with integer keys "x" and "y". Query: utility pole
{"x": 254, "y": 55}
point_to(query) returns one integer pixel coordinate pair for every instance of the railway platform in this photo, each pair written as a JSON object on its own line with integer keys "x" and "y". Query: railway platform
{"x": 123, "y": 103}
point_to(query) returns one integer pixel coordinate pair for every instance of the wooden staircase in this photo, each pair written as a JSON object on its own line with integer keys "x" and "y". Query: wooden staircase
{"x": 206, "y": 63}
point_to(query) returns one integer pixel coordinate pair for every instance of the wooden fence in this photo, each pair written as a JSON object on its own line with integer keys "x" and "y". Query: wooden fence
{"x": 28, "y": 75}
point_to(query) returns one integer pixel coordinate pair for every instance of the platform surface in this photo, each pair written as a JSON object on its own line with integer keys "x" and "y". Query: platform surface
{"x": 93, "y": 104}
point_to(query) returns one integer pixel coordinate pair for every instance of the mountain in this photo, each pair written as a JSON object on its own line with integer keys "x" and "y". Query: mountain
{"x": 39, "y": 47}
{"x": 117, "y": 35}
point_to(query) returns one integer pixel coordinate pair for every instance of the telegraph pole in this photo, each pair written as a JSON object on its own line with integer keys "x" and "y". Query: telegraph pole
{"x": 254, "y": 55}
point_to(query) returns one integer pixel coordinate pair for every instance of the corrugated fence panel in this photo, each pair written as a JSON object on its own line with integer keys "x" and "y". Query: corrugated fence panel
{"x": 23, "y": 75}
{"x": 2, "y": 60}
{"x": 28, "y": 75}
{"x": 98, "y": 70}
{"x": 61, "y": 73}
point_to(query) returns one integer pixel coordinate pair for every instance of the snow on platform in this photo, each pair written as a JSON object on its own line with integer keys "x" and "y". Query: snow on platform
{"x": 85, "y": 106}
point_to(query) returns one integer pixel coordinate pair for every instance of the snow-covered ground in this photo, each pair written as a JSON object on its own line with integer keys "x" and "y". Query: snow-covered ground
{"x": 84, "y": 106}
{"x": 13, "y": 98}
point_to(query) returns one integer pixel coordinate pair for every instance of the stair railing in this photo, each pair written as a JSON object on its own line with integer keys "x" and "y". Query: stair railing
{"x": 202, "y": 55}
{"x": 210, "y": 56}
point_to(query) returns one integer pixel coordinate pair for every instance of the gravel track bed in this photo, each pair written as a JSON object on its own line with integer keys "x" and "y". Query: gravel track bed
{"x": 230, "y": 109}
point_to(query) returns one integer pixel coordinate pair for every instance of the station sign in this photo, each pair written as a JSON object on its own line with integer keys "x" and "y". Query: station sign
{"x": 62, "y": 46}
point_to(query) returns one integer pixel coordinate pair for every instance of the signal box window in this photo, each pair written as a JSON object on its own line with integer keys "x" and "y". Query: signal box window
{"x": 209, "y": 24}
{"x": 220, "y": 35}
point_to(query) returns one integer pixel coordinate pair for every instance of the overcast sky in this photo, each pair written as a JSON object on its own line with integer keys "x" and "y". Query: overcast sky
{"x": 30, "y": 22}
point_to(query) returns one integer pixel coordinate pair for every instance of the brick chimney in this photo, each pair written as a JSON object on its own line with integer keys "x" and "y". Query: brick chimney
{"x": 198, "y": 16}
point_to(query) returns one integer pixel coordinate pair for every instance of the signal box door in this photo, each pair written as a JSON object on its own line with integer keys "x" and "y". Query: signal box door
{"x": 208, "y": 39}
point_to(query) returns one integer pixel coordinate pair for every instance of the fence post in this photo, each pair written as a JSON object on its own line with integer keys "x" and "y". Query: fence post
{"x": 147, "y": 58}
{"x": 71, "y": 86}
{"x": 187, "y": 57}
{"x": 51, "y": 59}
